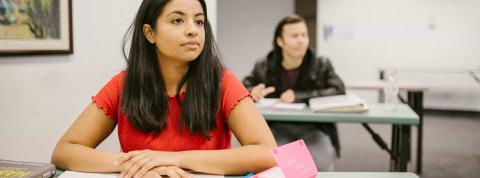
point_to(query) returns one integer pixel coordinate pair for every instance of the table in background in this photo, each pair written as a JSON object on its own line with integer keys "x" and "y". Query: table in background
{"x": 414, "y": 100}
{"x": 401, "y": 116}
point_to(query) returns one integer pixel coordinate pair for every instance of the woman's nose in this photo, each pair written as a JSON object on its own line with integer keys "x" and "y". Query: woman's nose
{"x": 192, "y": 30}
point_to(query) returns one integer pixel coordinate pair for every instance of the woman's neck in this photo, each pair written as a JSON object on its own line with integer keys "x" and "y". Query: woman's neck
{"x": 172, "y": 72}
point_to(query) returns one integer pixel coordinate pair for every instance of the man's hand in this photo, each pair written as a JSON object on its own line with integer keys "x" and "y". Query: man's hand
{"x": 288, "y": 96}
{"x": 259, "y": 92}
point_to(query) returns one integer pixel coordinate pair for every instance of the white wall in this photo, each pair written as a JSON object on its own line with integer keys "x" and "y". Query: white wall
{"x": 431, "y": 34}
{"x": 212, "y": 14}
{"x": 41, "y": 96}
{"x": 245, "y": 30}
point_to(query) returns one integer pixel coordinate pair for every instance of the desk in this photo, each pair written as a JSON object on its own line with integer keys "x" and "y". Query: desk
{"x": 414, "y": 100}
{"x": 401, "y": 117}
{"x": 338, "y": 175}
{"x": 358, "y": 175}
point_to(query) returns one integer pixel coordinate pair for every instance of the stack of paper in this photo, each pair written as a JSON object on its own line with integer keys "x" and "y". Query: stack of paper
{"x": 275, "y": 103}
{"x": 338, "y": 103}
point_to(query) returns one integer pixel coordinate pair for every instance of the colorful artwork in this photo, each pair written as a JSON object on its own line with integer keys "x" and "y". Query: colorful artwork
{"x": 35, "y": 26}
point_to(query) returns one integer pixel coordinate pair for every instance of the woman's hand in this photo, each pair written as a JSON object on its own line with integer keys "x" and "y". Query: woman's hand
{"x": 138, "y": 163}
{"x": 170, "y": 171}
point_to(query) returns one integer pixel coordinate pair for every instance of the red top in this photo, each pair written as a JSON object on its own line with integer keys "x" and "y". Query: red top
{"x": 171, "y": 138}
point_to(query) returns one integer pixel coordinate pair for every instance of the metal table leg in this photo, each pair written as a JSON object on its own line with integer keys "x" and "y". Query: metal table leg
{"x": 401, "y": 135}
{"x": 415, "y": 101}
{"x": 394, "y": 145}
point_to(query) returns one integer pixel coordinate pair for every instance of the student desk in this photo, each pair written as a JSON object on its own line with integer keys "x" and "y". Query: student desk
{"x": 401, "y": 116}
{"x": 365, "y": 175}
{"x": 414, "y": 100}
{"x": 338, "y": 175}
{"x": 358, "y": 175}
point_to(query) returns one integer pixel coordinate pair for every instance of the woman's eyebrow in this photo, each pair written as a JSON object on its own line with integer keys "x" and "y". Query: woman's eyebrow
{"x": 177, "y": 12}
{"x": 183, "y": 13}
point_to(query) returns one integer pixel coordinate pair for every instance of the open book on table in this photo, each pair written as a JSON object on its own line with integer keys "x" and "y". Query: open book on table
{"x": 275, "y": 103}
{"x": 338, "y": 103}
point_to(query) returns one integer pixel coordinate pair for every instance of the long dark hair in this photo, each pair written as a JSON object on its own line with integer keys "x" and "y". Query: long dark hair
{"x": 144, "y": 97}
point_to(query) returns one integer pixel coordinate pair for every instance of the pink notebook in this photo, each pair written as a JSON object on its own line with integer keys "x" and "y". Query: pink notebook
{"x": 294, "y": 161}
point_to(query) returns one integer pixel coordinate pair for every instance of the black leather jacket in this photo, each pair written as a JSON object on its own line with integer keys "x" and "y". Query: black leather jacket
{"x": 317, "y": 78}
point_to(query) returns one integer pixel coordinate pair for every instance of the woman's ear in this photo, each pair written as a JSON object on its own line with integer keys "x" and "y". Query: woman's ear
{"x": 149, "y": 33}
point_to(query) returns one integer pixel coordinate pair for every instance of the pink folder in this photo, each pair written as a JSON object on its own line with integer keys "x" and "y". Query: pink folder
{"x": 294, "y": 161}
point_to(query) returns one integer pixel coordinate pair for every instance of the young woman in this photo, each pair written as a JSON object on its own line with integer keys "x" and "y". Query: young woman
{"x": 175, "y": 105}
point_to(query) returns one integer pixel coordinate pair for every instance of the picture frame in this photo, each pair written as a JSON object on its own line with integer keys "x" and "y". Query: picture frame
{"x": 33, "y": 27}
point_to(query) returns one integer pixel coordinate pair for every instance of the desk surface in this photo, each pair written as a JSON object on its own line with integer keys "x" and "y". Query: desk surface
{"x": 359, "y": 175}
{"x": 378, "y": 113}
{"x": 365, "y": 175}
{"x": 380, "y": 84}
{"x": 319, "y": 175}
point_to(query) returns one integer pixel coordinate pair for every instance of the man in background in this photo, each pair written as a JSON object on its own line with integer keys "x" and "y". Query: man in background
{"x": 292, "y": 73}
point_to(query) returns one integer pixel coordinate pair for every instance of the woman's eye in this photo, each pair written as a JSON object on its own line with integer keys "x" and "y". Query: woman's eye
{"x": 177, "y": 21}
{"x": 199, "y": 22}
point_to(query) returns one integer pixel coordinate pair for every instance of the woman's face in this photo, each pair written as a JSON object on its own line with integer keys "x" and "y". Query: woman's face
{"x": 180, "y": 32}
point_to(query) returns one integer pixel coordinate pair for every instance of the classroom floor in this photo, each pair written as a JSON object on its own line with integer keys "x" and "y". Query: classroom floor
{"x": 451, "y": 147}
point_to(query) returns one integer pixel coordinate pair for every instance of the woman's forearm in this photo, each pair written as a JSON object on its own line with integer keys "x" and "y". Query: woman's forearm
{"x": 235, "y": 161}
{"x": 70, "y": 156}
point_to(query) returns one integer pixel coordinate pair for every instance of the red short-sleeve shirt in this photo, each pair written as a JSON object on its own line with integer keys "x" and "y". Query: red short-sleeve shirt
{"x": 171, "y": 138}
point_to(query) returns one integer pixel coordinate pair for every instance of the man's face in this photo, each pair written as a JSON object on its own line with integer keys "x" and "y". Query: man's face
{"x": 294, "y": 41}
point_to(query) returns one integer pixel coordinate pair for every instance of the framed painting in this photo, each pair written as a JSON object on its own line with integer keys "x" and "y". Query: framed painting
{"x": 35, "y": 27}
